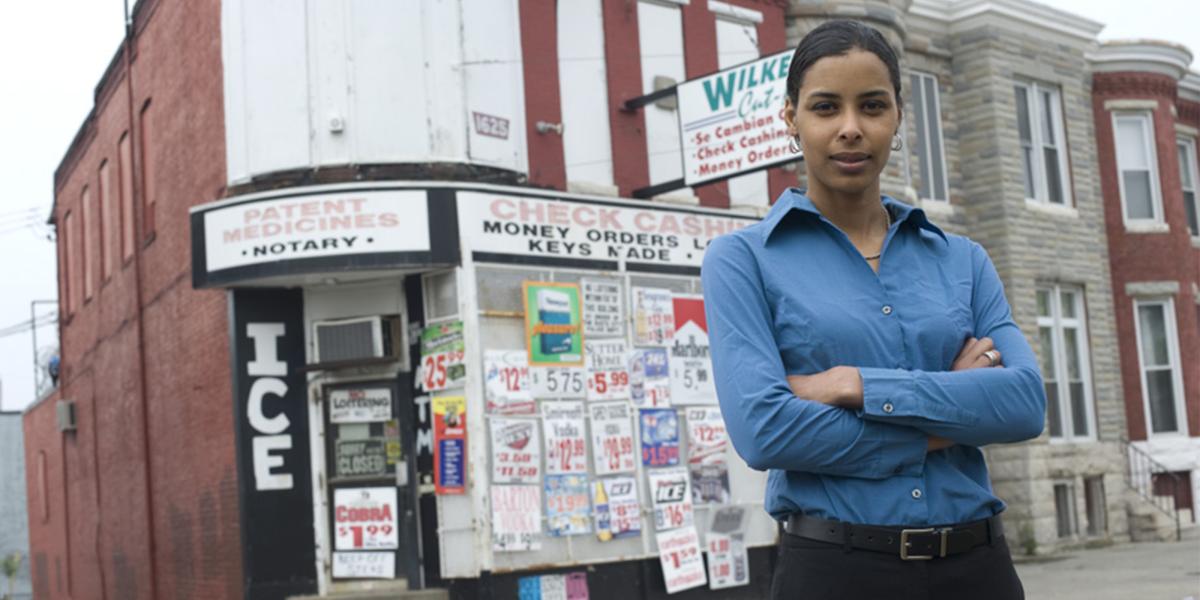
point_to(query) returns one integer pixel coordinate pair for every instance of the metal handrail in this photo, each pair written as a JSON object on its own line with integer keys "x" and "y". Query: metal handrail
{"x": 1141, "y": 472}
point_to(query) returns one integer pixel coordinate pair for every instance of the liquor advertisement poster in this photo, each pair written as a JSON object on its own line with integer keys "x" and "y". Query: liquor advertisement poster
{"x": 365, "y": 519}
{"x": 516, "y": 451}
{"x": 566, "y": 444}
{"x": 442, "y": 356}
{"x": 707, "y": 465}
{"x": 691, "y": 364}
{"x": 506, "y": 383}
{"x": 618, "y": 513}
{"x": 450, "y": 444}
{"x": 660, "y": 437}
{"x": 653, "y": 316}
{"x": 553, "y": 324}
{"x": 612, "y": 438}
{"x": 516, "y": 517}
{"x": 607, "y": 369}
{"x": 672, "y": 499}
{"x": 682, "y": 563}
{"x": 568, "y": 507}
{"x": 728, "y": 564}
{"x": 649, "y": 385}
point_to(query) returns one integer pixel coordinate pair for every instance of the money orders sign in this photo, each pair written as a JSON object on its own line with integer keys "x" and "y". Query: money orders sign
{"x": 730, "y": 121}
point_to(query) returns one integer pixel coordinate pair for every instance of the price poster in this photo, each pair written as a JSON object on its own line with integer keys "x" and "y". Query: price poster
{"x": 682, "y": 564}
{"x": 707, "y": 442}
{"x": 370, "y": 405}
{"x": 566, "y": 445}
{"x": 672, "y": 500}
{"x": 616, "y": 509}
{"x": 553, "y": 324}
{"x": 442, "y": 357}
{"x": 660, "y": 437}
{"x": 450, "y": 444}
{"x": 569, "y": 586}
{"x": 516, "y": 451}
{"x": 653, "y": 317}
{"x": 506, "y": 383}
{"x": 607, "y": 369}
{"x": 566, "y": 383}
{"x": 691, "y": 364}
{"x": 602, "y": 314}
{"x": 365, "y": 518}
{"x": 364, "y": 565}
{"x": 516, "y": 517}
{"x": 649, "y": 386}
{"x": 568, "y": 508}
{"x": 612, "y": 438}
{"x": 728, "y": 565}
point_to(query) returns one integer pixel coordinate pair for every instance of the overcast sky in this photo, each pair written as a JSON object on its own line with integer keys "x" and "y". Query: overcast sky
{"x": 53, "y": 54}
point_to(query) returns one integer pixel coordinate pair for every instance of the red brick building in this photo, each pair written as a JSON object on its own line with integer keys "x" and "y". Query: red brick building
{"x": 1147, "y": 110}
{"x": 144, "y": 492}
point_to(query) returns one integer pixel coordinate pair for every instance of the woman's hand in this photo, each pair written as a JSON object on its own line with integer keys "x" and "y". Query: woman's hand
{"x": 839, "y": 386}
{"x": 972, "y": 355}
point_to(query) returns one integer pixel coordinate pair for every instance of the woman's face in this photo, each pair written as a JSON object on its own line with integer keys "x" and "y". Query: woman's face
{"x": 845, "y": 115}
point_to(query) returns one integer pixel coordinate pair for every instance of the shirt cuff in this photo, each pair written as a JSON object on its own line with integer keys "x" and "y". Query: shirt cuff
{"x": 887, "y": 393}
{"x": 903, "y": 451}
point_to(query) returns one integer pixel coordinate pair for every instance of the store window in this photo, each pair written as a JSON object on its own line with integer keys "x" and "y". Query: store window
{"x": 1043, "y": 143}
{"x": 1188, "y": 179}
{"x": 1158, "y": 353}
{"x": 1064, "y": 509}
{"x": 1062, "y": 335}
{"x": 441, "y": 296}
{"x": 930, "y": 150}
{"x": 1141, "y": 199}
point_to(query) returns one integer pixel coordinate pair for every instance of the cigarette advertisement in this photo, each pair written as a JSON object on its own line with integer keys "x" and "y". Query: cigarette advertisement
{"x": 553, "y": 324}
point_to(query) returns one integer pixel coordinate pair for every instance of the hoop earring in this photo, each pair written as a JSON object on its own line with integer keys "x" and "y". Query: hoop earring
{"x": 897, "y": 142}
{"x": 794, "y": 144}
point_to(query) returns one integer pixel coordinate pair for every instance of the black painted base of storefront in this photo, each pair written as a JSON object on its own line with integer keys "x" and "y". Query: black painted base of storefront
{"x": 630, "y": 580}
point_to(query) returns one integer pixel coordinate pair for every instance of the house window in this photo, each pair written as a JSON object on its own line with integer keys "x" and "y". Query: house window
{"x": 1097, "y": 510}
{"x": 89, "y": 223}
{"x": 1187, "y": 180}
{"x": 1062, "y": 333}
{"x": 1158, "y": 353}
{"x": 930, "y": 150}
{"x": 583, "y": 89}
{"x": 1141, "y": 199}
{"x": 1064, "y": 509}
{"x": 145, "y": 158}
{"x": 68, "y": 263}
{"x": 106, "y": 220}
{"x": 125, "y": 156}
{"x": 441, "y": 296}
{"x": 1043, "y": 147}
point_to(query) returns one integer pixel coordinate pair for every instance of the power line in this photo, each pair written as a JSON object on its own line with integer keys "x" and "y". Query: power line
{"x": 29, "y": 324}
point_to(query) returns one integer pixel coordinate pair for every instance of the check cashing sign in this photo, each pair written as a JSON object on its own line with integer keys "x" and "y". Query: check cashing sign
{"x": 730, "y": 122}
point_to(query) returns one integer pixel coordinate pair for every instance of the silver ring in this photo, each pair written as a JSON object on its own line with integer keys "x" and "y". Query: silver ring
{"x": 992, "y": 357}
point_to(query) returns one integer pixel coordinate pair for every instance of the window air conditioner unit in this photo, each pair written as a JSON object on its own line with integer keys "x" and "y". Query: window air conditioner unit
{"x": 64, "y": 411}
{"x": 363, "y": 338}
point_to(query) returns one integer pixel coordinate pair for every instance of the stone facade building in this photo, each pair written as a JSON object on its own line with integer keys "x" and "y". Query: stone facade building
{"x": 14, "y": 522}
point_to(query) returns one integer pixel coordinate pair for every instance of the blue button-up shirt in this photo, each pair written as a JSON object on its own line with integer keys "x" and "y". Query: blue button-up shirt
{"x": 791, "y": 295}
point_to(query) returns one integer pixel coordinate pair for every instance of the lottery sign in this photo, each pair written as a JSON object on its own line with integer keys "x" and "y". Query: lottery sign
{"x": 450, "y": 444}
{"x": 607, "y": 369}
{"x": 506, "y": 383}
{"x": 516, "y": 451}
{"x": 660, "y": 437}
{"x": 365, "y": 518}
{"x": 612, "y": 438}
{"x": 566, "y": 445}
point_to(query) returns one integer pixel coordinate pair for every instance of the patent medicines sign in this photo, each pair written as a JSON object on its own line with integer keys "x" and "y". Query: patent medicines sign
{"x": 730, "y": 121}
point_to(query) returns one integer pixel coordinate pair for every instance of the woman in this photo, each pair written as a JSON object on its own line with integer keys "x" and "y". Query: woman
{"x": 844, "y": 330}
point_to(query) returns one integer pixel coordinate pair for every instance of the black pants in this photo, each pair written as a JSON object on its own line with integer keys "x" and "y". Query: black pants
{"x": 812, "y": 570}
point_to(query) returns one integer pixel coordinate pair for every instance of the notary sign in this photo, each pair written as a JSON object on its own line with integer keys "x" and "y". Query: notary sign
{"x": 730, "y": 123}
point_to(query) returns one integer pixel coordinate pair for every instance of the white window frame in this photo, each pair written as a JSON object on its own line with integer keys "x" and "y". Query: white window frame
{"x": 937, "y": 111}
{"x": 427, "y": 286}
{"x": 1188, "y": 145}
{"x": 1041, "y": 191}
{"x": 1057, "y": 323}
{"x": 1156, "y": 207}
{"x": 1172, "y": 333}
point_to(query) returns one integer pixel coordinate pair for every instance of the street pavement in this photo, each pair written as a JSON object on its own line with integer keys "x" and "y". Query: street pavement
{"x": 1141, "y": 571}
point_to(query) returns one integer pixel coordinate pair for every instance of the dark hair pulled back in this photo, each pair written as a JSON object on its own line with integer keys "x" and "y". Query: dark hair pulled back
{"x": 836, "y": 38}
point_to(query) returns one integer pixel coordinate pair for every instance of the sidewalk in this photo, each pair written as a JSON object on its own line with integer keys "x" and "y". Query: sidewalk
{"x": 1143, "y": 571}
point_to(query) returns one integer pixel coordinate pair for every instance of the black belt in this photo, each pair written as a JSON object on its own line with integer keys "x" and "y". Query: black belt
{"x": 909, "y": 544}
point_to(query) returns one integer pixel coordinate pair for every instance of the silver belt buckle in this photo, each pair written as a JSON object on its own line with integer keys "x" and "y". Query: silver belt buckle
{"x": 904, "y": 533}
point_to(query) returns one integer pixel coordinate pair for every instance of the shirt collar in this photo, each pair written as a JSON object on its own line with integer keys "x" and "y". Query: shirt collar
{"x": 795, "y": 199}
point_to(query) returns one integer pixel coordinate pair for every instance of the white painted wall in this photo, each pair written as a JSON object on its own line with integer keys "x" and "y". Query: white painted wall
{"x": 737, "y": 42}
{"x": 660, "y": 35}
{"x": 399, "y": 78}
{"x": 583, "y": 91}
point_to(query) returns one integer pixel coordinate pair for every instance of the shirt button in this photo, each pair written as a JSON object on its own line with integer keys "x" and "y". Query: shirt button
{"x": 887, "y": 310}
{"x": 916, "y": 494}
{"x": 887, "y": 408}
